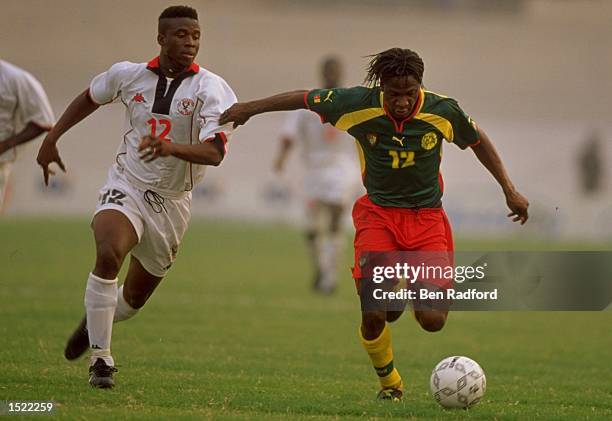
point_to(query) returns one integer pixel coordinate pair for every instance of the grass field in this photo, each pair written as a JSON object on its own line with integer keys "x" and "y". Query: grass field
{"x": 235, "y": 333}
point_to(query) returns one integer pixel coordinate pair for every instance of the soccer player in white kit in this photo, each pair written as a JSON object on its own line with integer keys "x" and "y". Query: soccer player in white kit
{"x": 330, "y": 173}
{"x": 171, "y": 133}
{"x": 25, "y": 114}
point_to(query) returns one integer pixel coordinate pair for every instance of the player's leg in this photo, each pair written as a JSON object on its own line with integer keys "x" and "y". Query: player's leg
{"x": 375, "y": 336}
{"x": 115, "y": 236}
{"x": 5, "y": 171}
{"x": 131, "y": 296}
{"x": 436, "y": 250}
{"x": 331, "y": 245}
{"x": 135, "y": 291}
{"x": 432, "y": 319}
{"x": 313, "y": 239}
{"x": 375, "y": 332}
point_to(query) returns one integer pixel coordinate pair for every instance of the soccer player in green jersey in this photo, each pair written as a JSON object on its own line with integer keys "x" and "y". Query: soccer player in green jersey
{"x": 399, "y": 128}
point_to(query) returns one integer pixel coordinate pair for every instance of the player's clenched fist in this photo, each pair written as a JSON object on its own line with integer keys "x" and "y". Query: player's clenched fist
{"x": 151, "y": 148}
{"x": 238, "y": 113}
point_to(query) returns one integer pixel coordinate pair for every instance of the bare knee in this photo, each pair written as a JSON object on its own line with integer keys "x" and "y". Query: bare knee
{"x": 431, "y": 320}
{"x": 393, "y": 315}
{"x": 372, "y": 324}
{"x": 108, "y": 261}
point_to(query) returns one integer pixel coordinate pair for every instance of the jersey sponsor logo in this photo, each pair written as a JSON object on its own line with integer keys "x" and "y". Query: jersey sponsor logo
{"x": 316, "y": 99}
{"x": 328, "y": 97}
{"x": 185, "y": 106}
{"x": 429, "y": 141}
{"x": 399, "y": 140}
{"x": 372, "y": 139}
{"x": 138, "y": 98}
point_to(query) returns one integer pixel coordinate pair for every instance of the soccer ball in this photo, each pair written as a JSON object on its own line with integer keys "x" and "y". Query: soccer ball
{"x": 457, "y": 382}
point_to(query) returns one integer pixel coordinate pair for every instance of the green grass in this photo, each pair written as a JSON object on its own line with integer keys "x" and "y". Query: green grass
{"x": 234, "y": 332}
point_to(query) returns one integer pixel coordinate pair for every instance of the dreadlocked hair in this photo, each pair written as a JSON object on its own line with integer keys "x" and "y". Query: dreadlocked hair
{"x": 392, "y": 63}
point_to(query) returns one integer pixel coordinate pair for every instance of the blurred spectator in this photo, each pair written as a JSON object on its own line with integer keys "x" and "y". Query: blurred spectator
{"x": 328, "y": 157}
{"x": 591, "y": 166}
{"x": 25, "y": 114}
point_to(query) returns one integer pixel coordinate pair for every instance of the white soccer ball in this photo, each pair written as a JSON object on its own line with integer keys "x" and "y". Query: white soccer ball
{"x": 458, "y": 382}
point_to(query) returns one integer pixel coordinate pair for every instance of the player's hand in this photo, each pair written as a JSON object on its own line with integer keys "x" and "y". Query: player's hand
{"x": 47, "y": 154}
{"x": 151, "y": 148}
{"x": 238, "y": 113}
{"x": 518, "y": 204}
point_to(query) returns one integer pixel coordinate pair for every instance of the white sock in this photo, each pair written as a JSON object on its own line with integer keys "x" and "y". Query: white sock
{"x": 314, "y": 249}
{"x": 100, "y": 303}
{"x": 330, "y": 253}
{"x": 123, "y": 311}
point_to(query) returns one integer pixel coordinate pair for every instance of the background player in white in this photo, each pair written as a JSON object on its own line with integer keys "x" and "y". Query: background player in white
{"x": 172, "y": 110}
{"x": 25, "y": 113}
{"x": 330, "y": 174}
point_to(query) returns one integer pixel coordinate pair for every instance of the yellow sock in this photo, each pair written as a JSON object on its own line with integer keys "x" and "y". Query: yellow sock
{"x": 381, "y": 354}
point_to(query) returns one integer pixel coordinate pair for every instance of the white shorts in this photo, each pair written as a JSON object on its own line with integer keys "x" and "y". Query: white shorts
{"x": 329, "y": 185}
{"x": 5, "y": 172}
{"x": 159, "y": 222}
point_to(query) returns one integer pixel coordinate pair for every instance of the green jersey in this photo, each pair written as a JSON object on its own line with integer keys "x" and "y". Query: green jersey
{"x": 400, "y": 160}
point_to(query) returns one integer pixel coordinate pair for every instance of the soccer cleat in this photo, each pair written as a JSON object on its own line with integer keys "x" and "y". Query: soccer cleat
{"x": 101, "y": 375}
{"x": 78, "y": 342}
{"x": 390, "y": 394}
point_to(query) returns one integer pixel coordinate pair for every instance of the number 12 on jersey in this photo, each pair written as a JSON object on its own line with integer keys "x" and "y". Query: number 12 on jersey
{"x": 407, "y": 157}
{"x": 167, "y": 124}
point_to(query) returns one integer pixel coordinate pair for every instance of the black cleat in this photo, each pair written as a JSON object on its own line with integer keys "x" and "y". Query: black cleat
{"x": 101, "y": 375}
{"x": 390, "y": 394}
{"x": 78, "y": 342}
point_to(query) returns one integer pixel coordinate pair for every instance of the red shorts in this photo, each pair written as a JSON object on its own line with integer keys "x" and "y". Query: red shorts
{"x": 382, "y": 229}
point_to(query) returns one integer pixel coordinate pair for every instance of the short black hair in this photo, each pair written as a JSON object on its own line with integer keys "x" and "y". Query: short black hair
{"x": 179, "y": 12}
{"x": 392, "y": 63}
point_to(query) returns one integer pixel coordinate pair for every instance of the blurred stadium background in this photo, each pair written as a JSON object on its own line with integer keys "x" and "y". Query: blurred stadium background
{"x": 534, "y": 73}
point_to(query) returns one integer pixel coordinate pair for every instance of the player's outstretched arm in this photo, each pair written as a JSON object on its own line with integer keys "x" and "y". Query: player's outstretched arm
{"x": 488, "y": 156}
{"x": 79, "y": 108}
{"x": 240, "y": 112}
{"x": 207, "y": 153}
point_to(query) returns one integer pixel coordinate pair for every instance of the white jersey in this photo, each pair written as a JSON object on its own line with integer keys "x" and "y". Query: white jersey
{"x": 182, "y": 110}
{"x": 22, "y": 101}
{"x": 328, "y": 156}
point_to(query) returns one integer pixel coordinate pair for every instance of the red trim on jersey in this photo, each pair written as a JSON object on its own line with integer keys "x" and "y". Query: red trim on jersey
{"x": 154, "y": 64}
{"x": 223, "y": 137}
{"x": 400, "y": 127}
{"x": 473, "y": 145}
{"x": 441, "y": 181}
